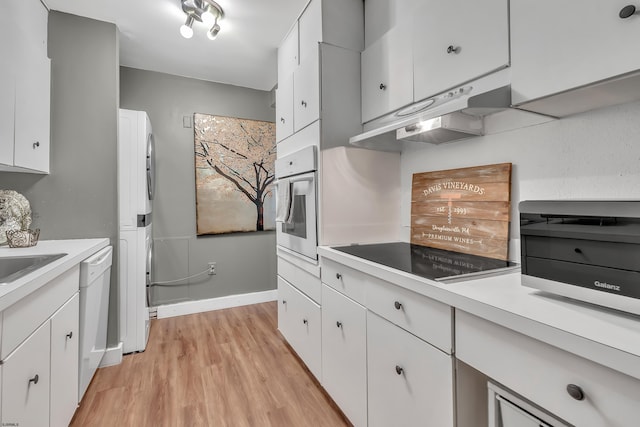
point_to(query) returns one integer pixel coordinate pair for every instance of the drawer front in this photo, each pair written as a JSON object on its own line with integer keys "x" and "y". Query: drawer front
{"x": 607, "y": 254}
{"x": 344, "y": 354}
{"x": 344, "y": 279}
{"x": 428, "y": 319}
{"x": 410, "y": 383}
{"x": 301, "y": 279}
{"x": 24, "y": 317}
{"x": 510, "y": 358}
{"x": 300, "y": 325}
{"x": 618, "y": 282}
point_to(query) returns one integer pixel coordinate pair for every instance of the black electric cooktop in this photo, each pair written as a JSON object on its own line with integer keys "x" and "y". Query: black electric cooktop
{"x": 431, "y": 263}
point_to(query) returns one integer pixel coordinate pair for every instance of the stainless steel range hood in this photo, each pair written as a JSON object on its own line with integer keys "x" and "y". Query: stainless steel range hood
{"x": 452, "y": 115}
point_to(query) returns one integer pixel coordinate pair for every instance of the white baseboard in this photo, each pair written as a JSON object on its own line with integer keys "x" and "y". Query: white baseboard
{"x": 113, "y": 356}
{"x": 200, "y": 306}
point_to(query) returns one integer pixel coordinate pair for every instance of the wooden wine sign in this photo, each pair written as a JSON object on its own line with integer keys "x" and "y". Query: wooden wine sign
{"x": 463, "y": 210}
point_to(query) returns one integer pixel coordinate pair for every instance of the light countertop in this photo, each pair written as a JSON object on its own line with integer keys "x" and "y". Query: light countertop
{"x": 608, "y": 337}
{"x": 76, "y": 249}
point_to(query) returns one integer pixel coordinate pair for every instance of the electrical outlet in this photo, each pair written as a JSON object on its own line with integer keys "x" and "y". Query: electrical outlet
{"x": 212, "y": 268}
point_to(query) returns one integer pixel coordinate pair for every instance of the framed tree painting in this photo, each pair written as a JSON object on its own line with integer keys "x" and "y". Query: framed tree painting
{"x": 235, "y": 170}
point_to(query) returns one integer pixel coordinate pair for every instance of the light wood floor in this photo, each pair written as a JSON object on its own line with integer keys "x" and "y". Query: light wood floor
{"x": 222, "y": 368}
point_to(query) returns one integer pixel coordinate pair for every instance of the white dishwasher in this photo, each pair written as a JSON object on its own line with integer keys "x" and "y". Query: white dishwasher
{"x": 95, "y": 275}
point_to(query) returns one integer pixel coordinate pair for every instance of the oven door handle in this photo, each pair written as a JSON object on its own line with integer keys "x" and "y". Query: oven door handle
{"x": 295, "y": 179}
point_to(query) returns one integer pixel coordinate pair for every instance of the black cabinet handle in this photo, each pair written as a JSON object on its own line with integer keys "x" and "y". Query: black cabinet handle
{"x": 578, "y": 250}
{"x": 305, "y": 321}
{"x": 453, "y": 49}
{"x": 304, "y": 104}
{"x": 282, "y": 119}
{"x": 383, "y": 86}
{"x": 338, "y": 276}
{"x": 70, "y": 335}
{"x": 575, "y": 392}
{"x": 34, "y": 380}
{"x": 284, "y": 301}
{"x": 339, "y": 324}
{"x": 36, "y": 144}
{"x": 397, "y": 305}
{"x": 399, "y": 370}
{"x": 627, "y": 11}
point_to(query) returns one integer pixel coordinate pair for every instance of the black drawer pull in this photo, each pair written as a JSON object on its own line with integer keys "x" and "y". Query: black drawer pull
{"x": 34, "y": 380}
{"x": 284, "y": 301}
{"x": 627, "y": 11}
{"x": 575, "y": 392}
{"x": 397, "y": 305}
{"x": 399, "y": 370}
{"x": 578, "y": 250}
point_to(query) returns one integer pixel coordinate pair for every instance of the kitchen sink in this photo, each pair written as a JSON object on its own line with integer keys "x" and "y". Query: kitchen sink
{"x": 13, "y": 268}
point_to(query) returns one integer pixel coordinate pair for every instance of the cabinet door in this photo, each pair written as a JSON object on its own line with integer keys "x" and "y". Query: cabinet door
{"x": 32, "y": 113}
{"x": 306, "y": 92}
{"x": 410, "y": 382}
{"x": 284, "y": 108}
{"x": 64, "y": 362}
{"x": 387, "y": 74}
{"x": 574, "y": 42}
{"x": 300, "y": 325}
{"x": 456, "y": 41}
{"x": 344, "y": 354}
{"x": 310, "y": 27}
{"x": 7, "y": 83}
{"x": 25, "y": 381}
{"x": 288, "y": 54}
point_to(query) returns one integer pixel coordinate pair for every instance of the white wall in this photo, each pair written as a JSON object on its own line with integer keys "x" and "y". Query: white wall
{"x": 587, "y": 156}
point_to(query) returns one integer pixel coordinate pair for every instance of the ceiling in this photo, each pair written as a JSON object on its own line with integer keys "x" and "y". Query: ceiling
{"x": 243, "y": 54}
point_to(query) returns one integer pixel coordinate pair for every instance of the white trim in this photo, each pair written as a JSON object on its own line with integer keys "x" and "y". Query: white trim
{"x": 113, "y": 356}
{"x": 192, "y": 307}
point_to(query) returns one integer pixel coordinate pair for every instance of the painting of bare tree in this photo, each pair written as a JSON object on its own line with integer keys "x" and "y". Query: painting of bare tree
{"x": 235, "y": 170}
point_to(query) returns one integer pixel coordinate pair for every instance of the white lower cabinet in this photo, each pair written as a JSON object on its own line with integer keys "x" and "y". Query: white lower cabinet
{"x": 574, "y": 389}
{"x": 26, "y": 381}
{"x": 65, "y": 336}
{"x": 344, "y": 354}
{"x": 300, "y": 323}
{"x": 410, "y": 382}
{"x": 40, "y": 333}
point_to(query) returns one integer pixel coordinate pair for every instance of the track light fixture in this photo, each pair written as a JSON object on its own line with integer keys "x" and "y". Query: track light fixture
{"x": 206, "y": 11}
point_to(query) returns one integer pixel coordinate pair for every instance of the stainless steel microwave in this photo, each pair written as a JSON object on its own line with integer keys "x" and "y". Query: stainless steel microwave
{"x": 588, "y": 250}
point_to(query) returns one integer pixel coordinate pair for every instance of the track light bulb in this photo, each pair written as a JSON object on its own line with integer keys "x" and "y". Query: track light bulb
{"x": 213, "y": 32}
{"x": 208, "y": 18}
{"x": 185, "y": 30}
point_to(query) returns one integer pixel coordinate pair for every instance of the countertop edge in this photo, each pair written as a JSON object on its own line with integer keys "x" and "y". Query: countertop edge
{"x": 76, "y": 249}
{"x": 544, "y": 327}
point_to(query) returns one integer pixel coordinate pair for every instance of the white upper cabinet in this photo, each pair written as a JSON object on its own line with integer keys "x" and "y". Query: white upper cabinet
{"x": 306, "y": 92}
{"x": 456, "y": 41}
{"x": 558, "y": 46}
{"x": 284, "y": 104}
{"x": 288, "y": 54}
{"x": 387, "y": 74}
{"x": 24, "y": 87}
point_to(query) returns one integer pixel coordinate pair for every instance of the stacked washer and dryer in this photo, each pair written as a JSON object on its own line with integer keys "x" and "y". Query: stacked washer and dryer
{"x": 136, "y": 181}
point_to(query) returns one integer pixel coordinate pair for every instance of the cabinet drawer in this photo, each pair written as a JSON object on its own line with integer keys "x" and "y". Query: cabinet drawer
{"x": 301, "y": 279}
{"x": 422, "y": 316}
{"x": 344, "y": 279}
{"x": 299, "y": 320}
{"x": 23, "y": 317}
{"x": 410, "y": 383}
{"x": 610, "y": 398}
{"x": 606, "y": 254}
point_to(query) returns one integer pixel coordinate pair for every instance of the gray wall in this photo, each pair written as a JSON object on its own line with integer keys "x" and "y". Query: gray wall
{"x": 78, "y": 198}
{"x": 245, "y": 262}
